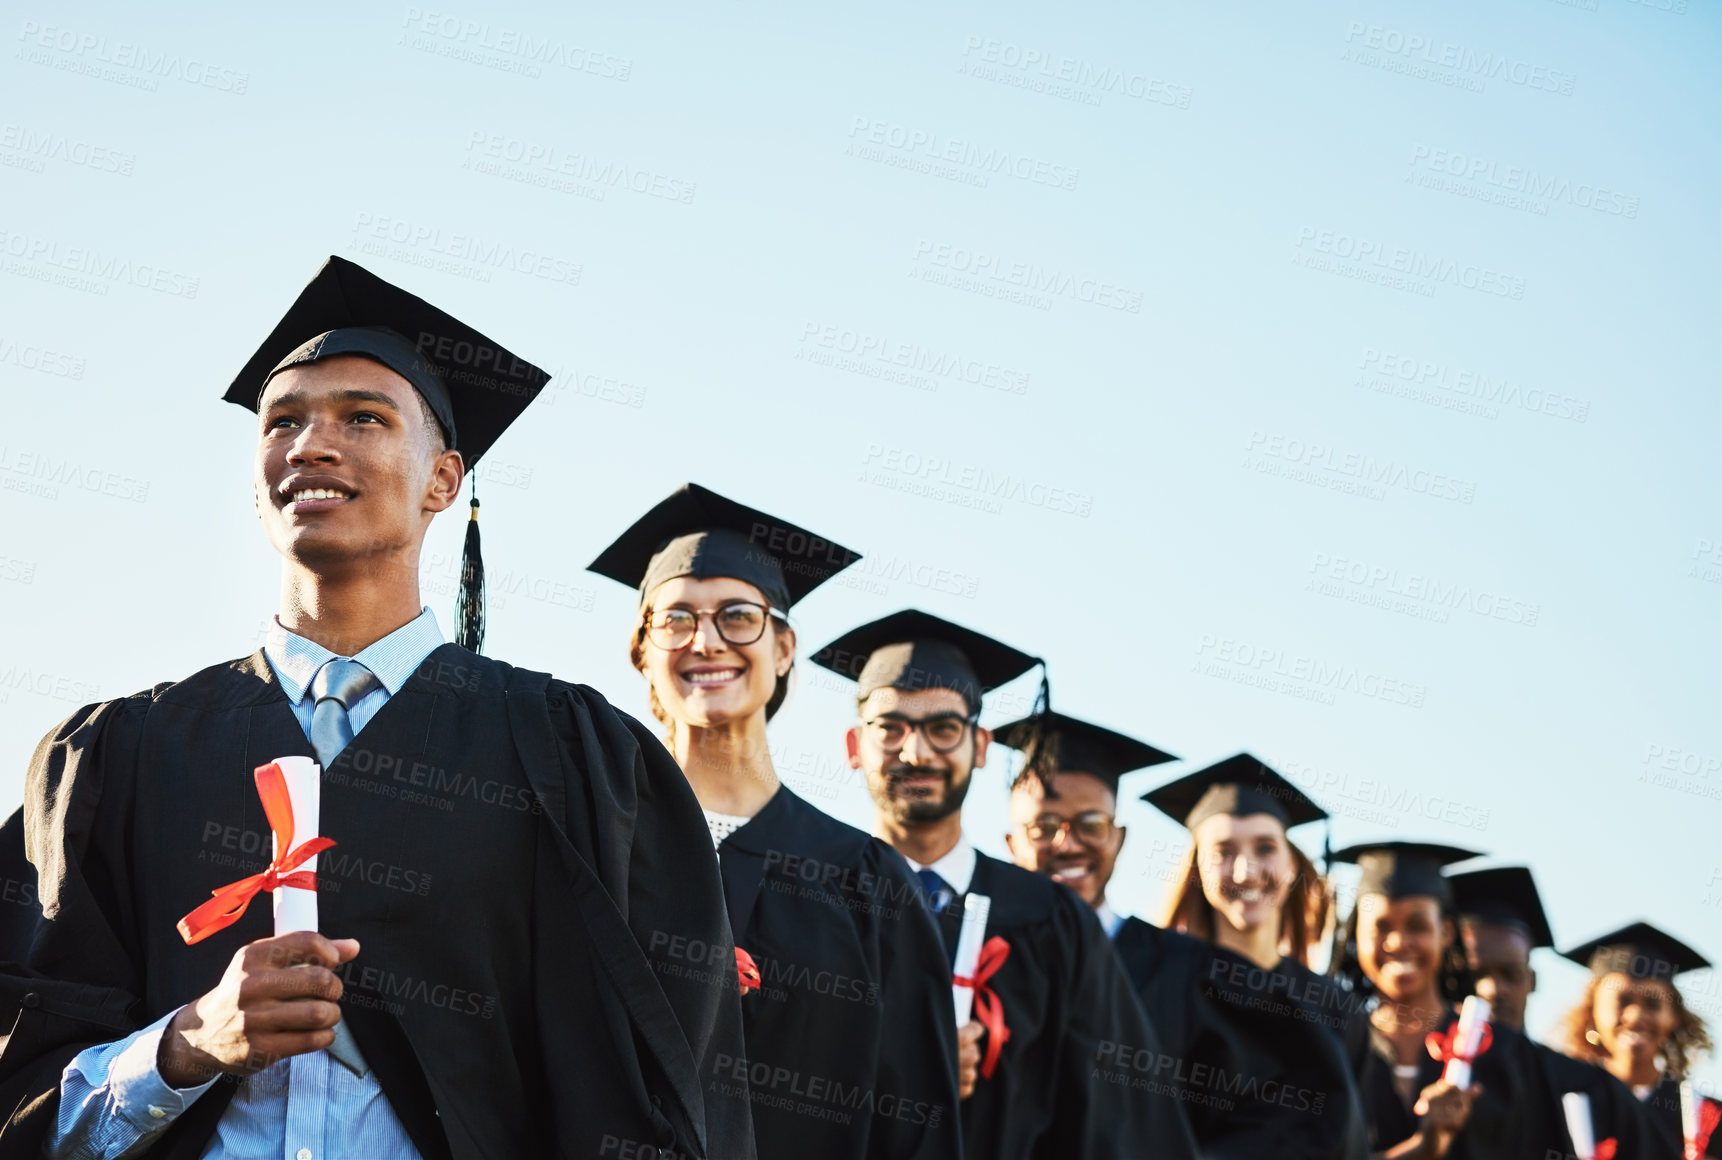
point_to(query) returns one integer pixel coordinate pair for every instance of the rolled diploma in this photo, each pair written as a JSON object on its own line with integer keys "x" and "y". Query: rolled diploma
{"x": 969, "y": 939}
{"x": 1688, "y": 1112}
{"x": 1473, "y": 1017}
{"x": 1579, "y": 1125}
{"x": 296, "y": 909}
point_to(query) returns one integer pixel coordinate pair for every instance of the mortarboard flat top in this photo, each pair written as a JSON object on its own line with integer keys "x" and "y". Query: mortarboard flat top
{"x": 1405, "y": 869}
{"x": 916, "y": 650}
{"x": 697, "y": 532}
{"x": 474, "y": 386}
{"x": 1502, "y": 896}
{"x": 1240, "y": 785}
{"x": 1639, "y": 950}
{"x": 1075, "y": 746}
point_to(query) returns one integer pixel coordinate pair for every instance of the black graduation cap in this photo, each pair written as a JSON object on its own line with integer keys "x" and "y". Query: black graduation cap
{"x": 917, "y": 650}
{"x": 1241, "y": 784}
{"x": 697, "y": 532}
{"x": 1639, "y": 950}
{"x": 473, "y": 385}
{"x": 1073, "y": 746}
{"x": 1405, "y": 869}
{"x": 1503, "y": 896}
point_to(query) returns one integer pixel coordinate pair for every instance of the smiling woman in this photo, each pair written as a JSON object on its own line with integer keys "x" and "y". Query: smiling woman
{"x": 809, "y": 898}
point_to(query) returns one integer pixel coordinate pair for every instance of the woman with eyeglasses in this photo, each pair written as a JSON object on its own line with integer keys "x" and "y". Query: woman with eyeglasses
{"x": 851, "y": 1038}
{"x": 1633, "y": 1022}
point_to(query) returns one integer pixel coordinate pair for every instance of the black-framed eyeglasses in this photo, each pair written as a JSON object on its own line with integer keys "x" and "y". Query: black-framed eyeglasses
{"x": 1091, "y": 828}
{"x": 943, "y": 731}
{"x": 737, "y": 622}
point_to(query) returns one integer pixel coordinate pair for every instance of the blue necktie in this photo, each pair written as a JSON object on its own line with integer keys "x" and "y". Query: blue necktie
{"x": 938, "y": 891}
{"x": 338, "y": 686}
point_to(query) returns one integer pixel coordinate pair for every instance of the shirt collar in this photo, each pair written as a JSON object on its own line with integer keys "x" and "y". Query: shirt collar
{"x": 392, "y": 659}
{"x": 1110, "y": 919}
{"x": 957, "y": 868}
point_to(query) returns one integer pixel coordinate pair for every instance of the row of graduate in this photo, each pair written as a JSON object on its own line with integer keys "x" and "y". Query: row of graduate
{"x": 550, "y": 961}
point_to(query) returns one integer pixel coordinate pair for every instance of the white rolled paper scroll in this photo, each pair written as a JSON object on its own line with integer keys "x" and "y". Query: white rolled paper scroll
{"x": 976, "y": 907}
{"x": 296, "y": 909}
{"x": 1579, "y": 1125}
{"x": 1473, "y": 1018}
{"x": 1688, "y": 1112}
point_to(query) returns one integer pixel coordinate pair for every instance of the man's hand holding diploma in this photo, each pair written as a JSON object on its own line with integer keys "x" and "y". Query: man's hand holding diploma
{"x": 279, "y": 997}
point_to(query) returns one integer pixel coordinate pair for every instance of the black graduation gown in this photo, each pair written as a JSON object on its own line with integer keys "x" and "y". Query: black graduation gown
{"x": 1083, "y": 1073}
{"x": 1260, "y": 1058}
{"x": 1614, "y": 1112}
{"x": 851, "y": 1037}
{"x": 1516, "y": 1116}
{"x": 1662, "y": 1120}
{"x": 526, "y": 870}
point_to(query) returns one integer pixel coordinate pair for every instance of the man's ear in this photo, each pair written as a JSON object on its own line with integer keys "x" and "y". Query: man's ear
{"x": 1533, "y": 986}
{"x": 852, "y": 746}
{"x": 983, "y": 738}
{"x": 1123, "y": 832}
{"x": 447, "y": 474}
{"x": 1010, "y": 844}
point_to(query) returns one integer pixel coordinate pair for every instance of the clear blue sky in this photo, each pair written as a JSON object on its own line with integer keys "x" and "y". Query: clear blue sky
{"x": 1168, "y": 341}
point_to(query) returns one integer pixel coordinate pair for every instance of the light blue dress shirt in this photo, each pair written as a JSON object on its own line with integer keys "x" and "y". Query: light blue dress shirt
{"x": 113, "y": 1101}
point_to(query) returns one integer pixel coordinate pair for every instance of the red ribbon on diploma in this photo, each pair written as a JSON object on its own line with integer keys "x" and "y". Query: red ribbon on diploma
{"x": 746, "y": 971}
{"x": 1440, "y": 1044}
{"x": 1709, "y": 1116}
{"x": 988, "y": 1010}
{"x": 1604, "y": 1149}
{"x": 230, "y": 901}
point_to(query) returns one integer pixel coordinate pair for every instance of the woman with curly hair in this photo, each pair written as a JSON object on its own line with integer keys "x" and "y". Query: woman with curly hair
{"x": 1633, "y": 1022}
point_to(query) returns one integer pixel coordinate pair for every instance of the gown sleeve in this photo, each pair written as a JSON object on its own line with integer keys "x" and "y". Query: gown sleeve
{"x": 1095, "y": 1115}
{"x": 68, "y": 972}
{"x": 917, "y": 1050}
{"x": 633, "y": 815}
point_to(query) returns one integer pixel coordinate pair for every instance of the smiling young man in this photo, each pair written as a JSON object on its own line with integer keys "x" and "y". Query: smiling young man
{"x": 1074, "y": 1070}
{"x": 1259, "y": 1073}
{"x": 512, "y": 856}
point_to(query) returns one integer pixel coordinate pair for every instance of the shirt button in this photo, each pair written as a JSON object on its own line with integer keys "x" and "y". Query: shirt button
{"x": 302, "y": 1154}
{"x": 157, "y": 1113}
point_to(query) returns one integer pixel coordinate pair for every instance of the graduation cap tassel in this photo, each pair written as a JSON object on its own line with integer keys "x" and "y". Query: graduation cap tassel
{"x": 469, "y": 602}
{"x": 1035, "y": 758}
